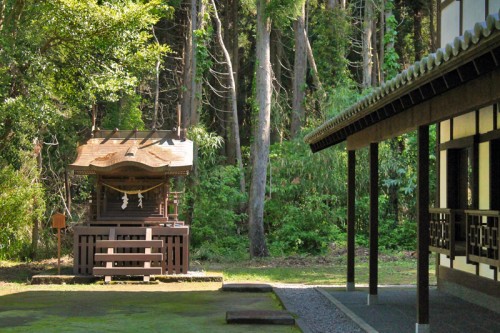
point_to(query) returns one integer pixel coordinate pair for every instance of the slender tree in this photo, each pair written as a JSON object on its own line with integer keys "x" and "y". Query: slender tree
{"x": 260, "y": 147}
{"x": 299, "y": 74}
{"x": 232, "y": 89}
{"x": 367, "y": 44}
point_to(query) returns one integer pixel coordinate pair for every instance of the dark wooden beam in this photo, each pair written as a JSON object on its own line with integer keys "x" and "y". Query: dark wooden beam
{"x": 351, "y": 205}
{"x": 464, "y": 142}
{"x": 373, "y": 290}
{"x": 423, "y": 229}
{"x": 461, "y": 26}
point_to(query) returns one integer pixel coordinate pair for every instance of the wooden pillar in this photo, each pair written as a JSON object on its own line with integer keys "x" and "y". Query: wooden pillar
{"x": 98, "y": 198}
{"x": 165, "y": 199}
{"x": 373, "y": 292}
{"x": 351, "y": 198}
{"x": 422, "y": 324}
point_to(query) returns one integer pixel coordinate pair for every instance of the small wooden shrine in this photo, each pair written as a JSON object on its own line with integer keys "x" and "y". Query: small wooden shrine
{"x": 133, "y": 226}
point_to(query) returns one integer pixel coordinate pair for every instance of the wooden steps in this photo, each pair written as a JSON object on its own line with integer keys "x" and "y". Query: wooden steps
{"x": 116, "y": 271}
{"x": 111, "y": 257}
{"x": 260, "y": 317}
{"x": 129, "y": 243}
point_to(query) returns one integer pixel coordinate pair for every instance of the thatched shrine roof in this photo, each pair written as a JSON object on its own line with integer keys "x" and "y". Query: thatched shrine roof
{"x": 126, "y": 152}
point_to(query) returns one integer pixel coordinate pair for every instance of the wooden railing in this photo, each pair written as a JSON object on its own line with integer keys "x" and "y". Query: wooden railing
{"x": 175, "y": 252}
{"x": 442, "y": 231}
{"x": 483, "y": 237}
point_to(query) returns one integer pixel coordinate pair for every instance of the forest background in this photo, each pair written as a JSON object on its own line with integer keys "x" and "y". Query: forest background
{"x": 70, "y": 66}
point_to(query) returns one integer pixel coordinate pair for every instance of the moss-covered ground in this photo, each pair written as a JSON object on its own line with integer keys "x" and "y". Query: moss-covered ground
{"x": 128, "y": 308}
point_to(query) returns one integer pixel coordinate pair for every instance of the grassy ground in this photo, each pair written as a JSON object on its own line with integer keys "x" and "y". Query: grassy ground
{"x": 172, "y": 307}
{"x": 132, "y": 309}
{"x": 394, "y": 269}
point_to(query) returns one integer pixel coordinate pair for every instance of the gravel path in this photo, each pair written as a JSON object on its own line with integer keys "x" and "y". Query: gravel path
{"x": 315, "y": 313}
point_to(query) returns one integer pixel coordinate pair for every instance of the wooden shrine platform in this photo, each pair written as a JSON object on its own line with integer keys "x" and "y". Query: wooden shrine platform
{"x": 109, "y": 251}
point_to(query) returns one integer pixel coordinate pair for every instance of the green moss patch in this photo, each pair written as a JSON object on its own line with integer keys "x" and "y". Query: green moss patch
{"x": 115, "y": 311}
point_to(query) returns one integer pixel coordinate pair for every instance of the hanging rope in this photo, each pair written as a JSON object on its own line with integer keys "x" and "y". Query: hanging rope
{"x": 132, "y": 191}
{"x": 138, "y": 192}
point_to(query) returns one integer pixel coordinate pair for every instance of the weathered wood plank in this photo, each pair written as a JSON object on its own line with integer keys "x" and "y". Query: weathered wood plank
{"x": 84, "y": 251}
{"x": 128, "y": 256}
{"x": 126, "y": 271}
{"x": 147, "y": 264}
{"x": 177, "y": 250}
{"x": 185, "y": 254}
{"x": 129, "y": 243}
{"x": 170, "y": 260}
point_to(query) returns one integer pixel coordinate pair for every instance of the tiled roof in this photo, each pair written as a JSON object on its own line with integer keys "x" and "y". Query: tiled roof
{"x": 415, "y": 75}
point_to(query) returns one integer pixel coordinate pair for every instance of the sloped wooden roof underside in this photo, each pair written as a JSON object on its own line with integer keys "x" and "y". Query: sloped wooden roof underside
{"x": 458, "y": 78}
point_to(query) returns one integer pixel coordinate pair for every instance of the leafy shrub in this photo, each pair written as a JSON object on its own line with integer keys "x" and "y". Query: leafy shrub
{"x": 217, "y": 220}
{"x": 21, "y": 203}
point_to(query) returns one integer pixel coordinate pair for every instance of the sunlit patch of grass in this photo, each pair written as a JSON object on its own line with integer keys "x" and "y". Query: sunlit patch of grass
{"x": 397, "y": 272}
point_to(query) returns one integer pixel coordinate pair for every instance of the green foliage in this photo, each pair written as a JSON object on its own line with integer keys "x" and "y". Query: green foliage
{"x": 216, "y": 224}
{"x": 331, "y": 31}
{"x": 391, "y": 64}
{"x": 402, "y": 236}
{"x": 57, "y": 58}
{"x": 282, "y": 12}
{"x": 304, "y": 211}
{"x": 204, "y": 61}
{"x": 124, "y": 114}
{"x": 339, "y": 98}
{"x": 207, "y": 144}
{"x": 20, "y": 203}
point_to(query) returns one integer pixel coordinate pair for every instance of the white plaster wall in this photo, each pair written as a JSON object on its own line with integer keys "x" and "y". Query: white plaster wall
{"x": 486, "y": 271}
{"x": 486, "y": 119}
{"x": 484, "y": 175}
{"x": 450, "y": 23}
{"x": 474, "y": 11}
{"x": 494, "y": 6}
{"x": 445, "y": 131}
{"x": 444, "y": 260}
{"x": 461, "y": 264}
{"x": 464, "y": 125}
{"x": 443, "y": 195}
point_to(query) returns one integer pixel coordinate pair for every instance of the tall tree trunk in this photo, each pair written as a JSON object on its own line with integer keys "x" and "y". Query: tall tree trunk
{"x": 399, "y": 46}
{"x": 312, "y": 63}
{"x": 432, "y": 29}
{"x": 367, "y": 44}
{"x": 418, "y": 13}
{"x": 157, "y": 87}
{"x": 189, "y": 58}
{"x": 228, "y": 36}
{"x": 35, "y": 232}
{"x": 234, "y": 106}
{"x": 2, "y": 14}
{"x": 381, "y": 48}
{"x": 299, "y": 75}
{"x": 277, "y": 59}
{"x": 198, "y": 10}
{"x": 260, "y": 147}
{"x": 376, "y": 61}
{"x": 196, "y": 95}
